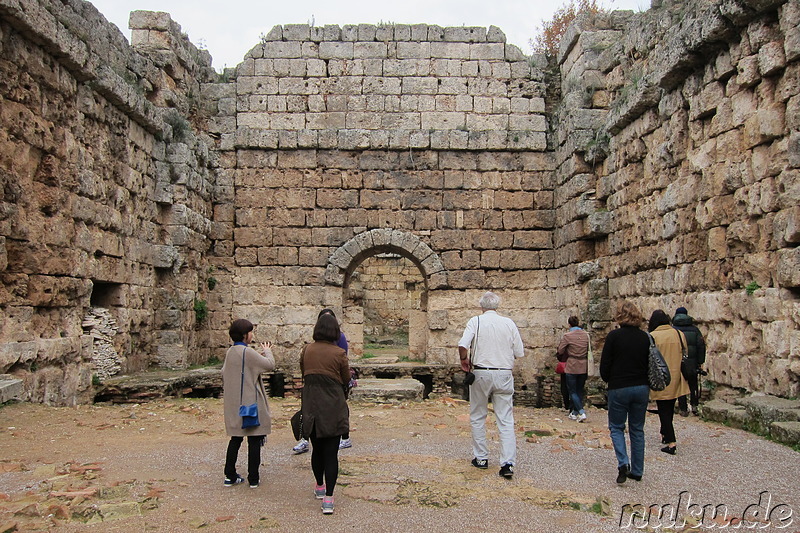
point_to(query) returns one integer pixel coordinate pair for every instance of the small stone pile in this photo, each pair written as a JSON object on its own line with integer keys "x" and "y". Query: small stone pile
{"x": 102, "y": 327}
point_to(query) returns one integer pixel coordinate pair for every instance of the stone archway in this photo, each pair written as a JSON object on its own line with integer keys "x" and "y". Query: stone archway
{"x": 346, "y": 259}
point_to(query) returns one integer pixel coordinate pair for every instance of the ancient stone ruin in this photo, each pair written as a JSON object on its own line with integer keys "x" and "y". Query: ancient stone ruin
{"x": 657, "y": 158}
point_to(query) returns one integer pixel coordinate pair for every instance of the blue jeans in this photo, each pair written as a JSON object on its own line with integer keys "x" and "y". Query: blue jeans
{"x": 628, "y": 403}
{"x": 575, "y": 384}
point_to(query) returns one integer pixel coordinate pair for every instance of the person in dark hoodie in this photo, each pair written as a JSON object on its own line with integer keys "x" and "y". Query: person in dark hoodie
{"x": 696, "y": 349}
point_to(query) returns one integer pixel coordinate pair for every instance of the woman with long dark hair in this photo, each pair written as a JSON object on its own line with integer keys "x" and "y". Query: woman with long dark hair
{"x": 326, "y": 416}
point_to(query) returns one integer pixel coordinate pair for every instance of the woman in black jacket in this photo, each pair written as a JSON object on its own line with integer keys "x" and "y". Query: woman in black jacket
{"x": 623, "y": 366}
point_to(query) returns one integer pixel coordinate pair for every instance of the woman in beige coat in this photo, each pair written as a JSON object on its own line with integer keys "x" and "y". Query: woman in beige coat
{"x": 670, "y": 342}
{"x": 242, "y": 385}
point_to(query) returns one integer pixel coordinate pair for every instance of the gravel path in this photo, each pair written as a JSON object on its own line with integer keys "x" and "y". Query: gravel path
{"x": 157, "y": 467}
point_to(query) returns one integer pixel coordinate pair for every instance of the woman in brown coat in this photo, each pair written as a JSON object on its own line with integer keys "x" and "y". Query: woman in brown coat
{"x": 242, "y": 385}
{"x": 326, "y": 416}
{"x": 670, "y": 342}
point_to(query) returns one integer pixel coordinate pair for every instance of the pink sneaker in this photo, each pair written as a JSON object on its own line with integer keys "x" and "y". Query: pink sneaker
{"x": 327, "y": 505}
{"x": 319, "y": 491}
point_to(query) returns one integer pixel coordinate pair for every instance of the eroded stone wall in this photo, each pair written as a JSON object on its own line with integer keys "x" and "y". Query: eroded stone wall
{"x": 685, "y": 122}
{"x": 106, "y": 196}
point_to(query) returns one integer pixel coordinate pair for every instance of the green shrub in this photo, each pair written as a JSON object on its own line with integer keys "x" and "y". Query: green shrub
{"x": 200, "y": 310}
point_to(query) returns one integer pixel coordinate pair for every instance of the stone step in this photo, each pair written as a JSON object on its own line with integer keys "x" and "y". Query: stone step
{"x": 769, "y": 409}
{"x": 10, "y": 388}
{"x": 786, "y": 432}
{"x": 388, "y": 390}
{"x": 145, "y": 386}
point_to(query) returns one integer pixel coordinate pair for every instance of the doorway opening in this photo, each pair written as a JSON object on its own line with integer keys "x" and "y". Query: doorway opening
{"x": 390, "y": 290}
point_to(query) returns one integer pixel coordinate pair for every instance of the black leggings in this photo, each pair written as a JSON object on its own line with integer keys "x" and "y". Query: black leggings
{"x": 254, "y": 445}
{"x": 325, "y": 461}
{"x": 666, "y": 412}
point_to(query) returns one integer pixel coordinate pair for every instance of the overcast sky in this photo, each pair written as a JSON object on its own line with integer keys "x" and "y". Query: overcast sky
{"x": 229, "y": 29}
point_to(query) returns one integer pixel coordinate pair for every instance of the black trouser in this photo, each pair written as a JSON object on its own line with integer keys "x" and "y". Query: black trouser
{"x": 565, "y": 393}
{"x": 325, "y": 461}
{"x": 694, "y": 391}
{"x": 253, "y": 457}
{"x": 666, "y": 412}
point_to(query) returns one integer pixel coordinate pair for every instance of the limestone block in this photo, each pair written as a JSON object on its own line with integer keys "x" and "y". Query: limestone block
{"x": 413, "y": 50}
{"x": 599, "y": 224}
{"x": 296, "y": 32}
{"x": 12, "y": 353}
{"x": 766, "y": 125}
{"x": 282, "y": 49}
{"x": 450, "y": 50}
{"x": 529, "y": 122}
{"x": 597, "y": 288}
{"x": 474, "y": 34}
{"x": 487, "y": 51}
{"x": 748, "y": 71}
{"x": 336, "y": 50}
{"x": 11, "y": 388}
{"x": 588, "y": 270}
{"x": 771, "y": 58}
{"x": 706, "y": 100}
{"x": 419, "y": 85}
{"x": 786, "y": 432}
{"x": 164, "y": 256}
{"x": 150, "y": 20}
{"x": 364, "y": 50}
{"x": 788, "y": 272}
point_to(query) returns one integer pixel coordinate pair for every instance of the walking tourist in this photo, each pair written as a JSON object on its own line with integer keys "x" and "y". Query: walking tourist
{"x": 574, "y": 346}
{"x": 326, "y": 416}
{"x": 302, "y": 444}
{"x": 494, "y": 342}
{"x": 696, "y": 357}
{"x": 671, "y": 344}
{"x": 242, "y": 385}
{"x": 623, "y": 365}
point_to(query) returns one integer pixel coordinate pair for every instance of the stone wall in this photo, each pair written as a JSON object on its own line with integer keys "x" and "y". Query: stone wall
{"x": 389, "y": 287}
{"x": 107, "y": 195}
{"x": 680, "y": 168}
{"x": 349, "y": 142}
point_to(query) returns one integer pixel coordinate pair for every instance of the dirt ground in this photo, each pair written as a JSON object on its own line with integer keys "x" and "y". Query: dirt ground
{"x": 158, "y": 467}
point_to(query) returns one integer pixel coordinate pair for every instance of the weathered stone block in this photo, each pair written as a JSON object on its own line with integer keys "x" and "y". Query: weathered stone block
{"x": 786, "y": 432}
{"x": 789, "y": 267}
{"x": 11, "y": 388}
{"x": 766, "y": 125}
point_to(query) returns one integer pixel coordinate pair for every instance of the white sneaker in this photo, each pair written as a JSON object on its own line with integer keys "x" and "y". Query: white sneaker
{"x": 300, "y": 447}
{"x": 581, "y": 417}
{"x": 572, "y": 416}
{"x": 345, "y": 443}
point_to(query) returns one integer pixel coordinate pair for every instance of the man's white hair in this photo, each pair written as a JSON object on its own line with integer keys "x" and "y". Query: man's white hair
{"x": 489, "y": 301}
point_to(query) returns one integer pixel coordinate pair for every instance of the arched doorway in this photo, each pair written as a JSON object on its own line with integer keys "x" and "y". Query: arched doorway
{"x": 414, "y": 261}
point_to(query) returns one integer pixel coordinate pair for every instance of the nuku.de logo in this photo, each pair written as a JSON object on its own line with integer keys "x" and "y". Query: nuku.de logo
{"x": 755, "y": 516}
